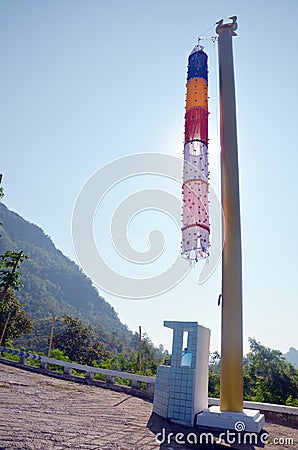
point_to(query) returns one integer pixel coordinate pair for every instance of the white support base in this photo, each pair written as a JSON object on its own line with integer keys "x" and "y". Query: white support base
{"x": 250, "y": 420}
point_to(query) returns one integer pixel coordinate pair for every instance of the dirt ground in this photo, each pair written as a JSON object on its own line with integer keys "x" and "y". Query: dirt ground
{"x": 40, "y": 412}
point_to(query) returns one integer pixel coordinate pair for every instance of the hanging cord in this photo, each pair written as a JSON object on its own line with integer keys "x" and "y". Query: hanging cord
{"x": 217, "y": 137}
{"x": 216, "y": 93}
{"x": 201, "y": 34}
{"x": 207, "y": 38}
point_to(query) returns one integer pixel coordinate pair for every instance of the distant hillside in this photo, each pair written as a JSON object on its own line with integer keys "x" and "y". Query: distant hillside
{"x": 53, "y": 285}
{"x": 292, "y": 356}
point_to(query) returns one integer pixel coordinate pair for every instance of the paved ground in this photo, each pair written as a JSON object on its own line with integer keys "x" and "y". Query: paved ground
{"x": 39, "y": 412}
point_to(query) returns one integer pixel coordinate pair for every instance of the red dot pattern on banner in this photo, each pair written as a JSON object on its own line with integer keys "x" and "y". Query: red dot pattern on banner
{"x": 196, "y": 226}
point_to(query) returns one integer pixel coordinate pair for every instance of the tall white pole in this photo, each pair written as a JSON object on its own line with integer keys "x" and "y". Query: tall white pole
{"x": 231, "y": 394}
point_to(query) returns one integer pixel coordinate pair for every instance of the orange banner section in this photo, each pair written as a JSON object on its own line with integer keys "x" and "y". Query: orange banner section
{"x": 196, "y": 93}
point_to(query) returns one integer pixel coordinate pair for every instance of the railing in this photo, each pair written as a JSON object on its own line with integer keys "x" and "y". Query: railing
{"x": 263, "y": 406}
{"x": 287, "y": 415}
{"x": 141, "y": 383}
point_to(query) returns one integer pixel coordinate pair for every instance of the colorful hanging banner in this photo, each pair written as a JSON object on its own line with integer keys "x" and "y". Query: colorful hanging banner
{"x": 196, "y": 227}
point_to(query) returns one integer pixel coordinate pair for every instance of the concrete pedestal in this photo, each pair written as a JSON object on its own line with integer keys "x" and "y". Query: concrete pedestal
{"x": 181, "y": 390}
{"x": 250, "y": 420}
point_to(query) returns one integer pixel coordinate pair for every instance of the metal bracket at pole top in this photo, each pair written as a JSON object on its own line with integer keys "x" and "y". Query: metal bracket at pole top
{"x": 231, "y": 26}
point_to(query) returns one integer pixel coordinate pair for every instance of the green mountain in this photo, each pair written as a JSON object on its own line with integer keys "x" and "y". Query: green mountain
{"x": 53, "y": 285}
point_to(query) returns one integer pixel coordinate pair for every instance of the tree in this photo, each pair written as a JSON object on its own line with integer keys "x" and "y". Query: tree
{"x": 9, "y": 264}
{"x": 77, "y": 341}
{"x": 1, "y": 194}
{"x": 214, "y": 374}
{"x": 9, "y": 276}
{"x": 13, "y": 319}
{"x": 1, "y": 188}
{"x": 268, "y": 377}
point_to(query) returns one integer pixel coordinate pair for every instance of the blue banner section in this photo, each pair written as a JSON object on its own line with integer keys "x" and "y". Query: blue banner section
{"x": 197, "y": 66}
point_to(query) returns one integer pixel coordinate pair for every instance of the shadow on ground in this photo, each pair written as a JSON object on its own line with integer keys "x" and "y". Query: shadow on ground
{"x": 171, "y": 436}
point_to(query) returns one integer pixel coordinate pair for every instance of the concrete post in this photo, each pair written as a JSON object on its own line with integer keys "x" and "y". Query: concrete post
{"x": 67, "y": 370}
{"x": 135, "y": 384}
{"x": 23, "y": 359}
{"x": 43, "y": 365}
{"x": 111, "y": 379}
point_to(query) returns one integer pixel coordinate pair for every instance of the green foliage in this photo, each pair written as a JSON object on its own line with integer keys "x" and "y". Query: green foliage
{"x": 124, "y": 354}
{"x": 13, "y": 320}
{"x": 167, "y": 359}
{"x": 268, "y": 376}
{"x": 292, "y": 401}
{"x": 10, "y": 262}
{"x": 10, "y": 356}
{"x": 78, "y": 373}
{"x": 13, "y": 315}
{"x": 33, "y": 362}
{"x": 1, "y": 194}
{"x": 78, "y": 342}
{"x": 152, "y": 357}
{"x": 214, "y": 375}
{"x": 56, "y": 353}
{"x": 38, "y": 340}
{"x": 1, "y": 190}
{"x": 214, "y": 385}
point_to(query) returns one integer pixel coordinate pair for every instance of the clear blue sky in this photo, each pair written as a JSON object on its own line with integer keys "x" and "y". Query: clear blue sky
{"x": 85, "y": 82}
